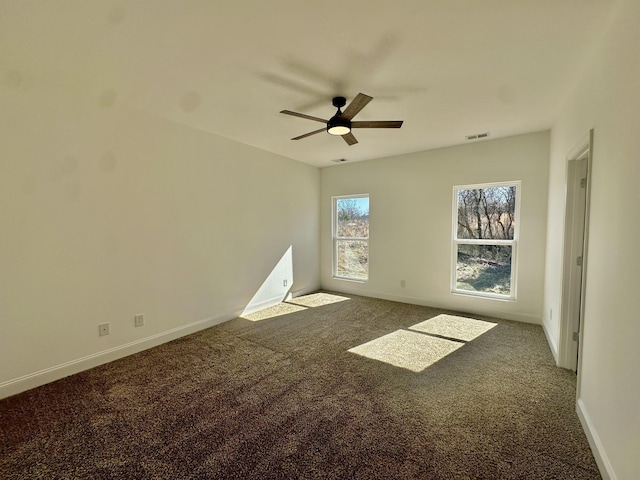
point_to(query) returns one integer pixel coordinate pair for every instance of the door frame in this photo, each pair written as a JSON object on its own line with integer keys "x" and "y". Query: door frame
{"x": 572, "y": 319}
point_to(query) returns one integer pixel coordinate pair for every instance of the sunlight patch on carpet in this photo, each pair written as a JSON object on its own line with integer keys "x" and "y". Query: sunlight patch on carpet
{"x": 317, "y": 299}
{"x": 454, "y": 327}
{"x": 275, "y": 311}
{"x": 410, "y": 350}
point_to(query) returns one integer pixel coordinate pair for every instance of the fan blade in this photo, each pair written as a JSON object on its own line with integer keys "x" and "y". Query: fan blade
{"x": 349, "y": 138}
{"x": 310, "y": 133}
{"x": 378, "y": 124}
{"x": 356, "y": 105}
{"x": 302, "y": 115}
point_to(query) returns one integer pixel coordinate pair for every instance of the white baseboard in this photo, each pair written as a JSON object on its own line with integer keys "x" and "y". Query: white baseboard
{"x": 270, "y": 302}
{"x": 552, "y": 345}
{"x": 51, "y": 374}
{"x": 254, "y": 307}
{"x": 435, "y": 304}
{"x": 606, "y": 469}
{"x": 56, "y": 372}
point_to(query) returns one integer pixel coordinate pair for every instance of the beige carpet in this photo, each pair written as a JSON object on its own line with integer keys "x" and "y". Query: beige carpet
{"x": 327, "y": 387}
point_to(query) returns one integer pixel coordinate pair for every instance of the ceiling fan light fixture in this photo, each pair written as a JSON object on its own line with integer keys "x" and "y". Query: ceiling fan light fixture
{"x": 338, "y": 130}
{"x": 338, "y": 125}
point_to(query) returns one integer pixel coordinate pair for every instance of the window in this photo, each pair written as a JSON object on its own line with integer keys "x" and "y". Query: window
{"x": 351, "y": 237}
{"x": 485, "y": 235}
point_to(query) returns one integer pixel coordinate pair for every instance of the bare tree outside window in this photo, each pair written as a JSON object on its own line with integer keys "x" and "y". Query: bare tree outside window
{"x": 485, "y": 239}
{"x": 351, "y": 237}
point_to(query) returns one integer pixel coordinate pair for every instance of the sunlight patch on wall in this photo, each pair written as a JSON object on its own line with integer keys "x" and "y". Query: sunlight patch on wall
{"x": 318, "y": 299}
{"x": 411, "y": 350}
{"x": 451, "y": 326}
{"x": 274, "y": 311}
{"x": 276, "y": 286}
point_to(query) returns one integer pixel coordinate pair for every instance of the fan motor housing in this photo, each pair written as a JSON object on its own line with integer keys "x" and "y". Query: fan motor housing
{"x": 338, "y": 125}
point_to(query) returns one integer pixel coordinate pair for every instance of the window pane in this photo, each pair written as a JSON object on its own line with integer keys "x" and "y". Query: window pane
{"x": 352, "y": 217}
{"x": 487, "y": 213}
{"x": 484, "y": 268}
{"x": 353, "y": 259}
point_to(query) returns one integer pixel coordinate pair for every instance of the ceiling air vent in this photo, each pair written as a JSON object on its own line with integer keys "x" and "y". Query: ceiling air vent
{"x": 477, "y": 136}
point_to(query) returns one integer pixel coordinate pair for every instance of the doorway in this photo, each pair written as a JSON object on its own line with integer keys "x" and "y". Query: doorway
{"x": 575, "y": 250}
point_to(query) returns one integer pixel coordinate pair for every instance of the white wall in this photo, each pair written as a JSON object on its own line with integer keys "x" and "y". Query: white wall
{"x": 411, "y": 214}
{"x": 107, "y": 212}
{"x": 607, "y": 99}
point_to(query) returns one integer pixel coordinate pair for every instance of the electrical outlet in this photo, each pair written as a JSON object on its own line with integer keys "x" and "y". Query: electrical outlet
{"x": 103, "y": 329}
{"x": 403, "y": 283}
{"x": 284, "y": 282}
{"x": 138, "y": 320}
{"x": 551, "y": 314}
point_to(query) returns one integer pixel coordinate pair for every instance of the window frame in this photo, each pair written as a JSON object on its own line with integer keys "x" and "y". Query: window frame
{"x": 512, "y": 243}
{"x": 335, "y": 238}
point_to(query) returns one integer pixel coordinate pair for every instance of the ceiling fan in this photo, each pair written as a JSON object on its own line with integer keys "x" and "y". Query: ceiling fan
{"x": 340, "y": 124}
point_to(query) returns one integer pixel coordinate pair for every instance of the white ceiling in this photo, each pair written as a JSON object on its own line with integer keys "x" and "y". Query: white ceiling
{"x": 448, "y": 68}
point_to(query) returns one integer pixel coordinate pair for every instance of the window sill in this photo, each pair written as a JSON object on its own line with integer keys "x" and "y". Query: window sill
{"x": 353, "y": 280}
{"x": 484, "y": 296}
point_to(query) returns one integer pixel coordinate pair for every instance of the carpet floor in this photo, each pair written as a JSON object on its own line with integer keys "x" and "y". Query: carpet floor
{"x": 328, "y": 386}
